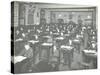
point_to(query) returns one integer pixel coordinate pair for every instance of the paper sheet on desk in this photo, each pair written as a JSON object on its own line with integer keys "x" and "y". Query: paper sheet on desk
{"x": 18, "y": 59}
{"x": 76, "y": 40}
{"x": 90, "y": 51}
{"x": 47, "y": 36}
{"x": 20, "y": 39}
{"x": 78, "y": 36}
{"x": 67, "y": 47}
{"x": 61, "y": 38}
{"x": 49, "y": 44}
{"x": 32, "y": 41}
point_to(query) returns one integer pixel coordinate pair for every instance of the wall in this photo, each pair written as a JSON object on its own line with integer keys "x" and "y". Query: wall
{"x": 15, "y": 15}
{"x": 31, "y": 13}
{"x": 63, "y": 13}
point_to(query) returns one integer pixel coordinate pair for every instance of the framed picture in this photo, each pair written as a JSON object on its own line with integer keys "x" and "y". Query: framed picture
{"x": 48, "y": 37}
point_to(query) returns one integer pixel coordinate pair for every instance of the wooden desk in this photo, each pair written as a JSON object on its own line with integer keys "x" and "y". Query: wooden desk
{"x": 90, "y": 56}
{"x": 90, "y": 53}
{"x": 67, "y": 54}
{"x": 48, "y": 47}
{"x": 34, "y": 45}
{"x": 77, "y": 44}
{"x": 59, "y": 40}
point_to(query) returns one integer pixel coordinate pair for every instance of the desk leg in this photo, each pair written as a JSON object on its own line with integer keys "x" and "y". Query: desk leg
{"x": 48, "y": 55}
{"x": 59, "y": 56}
{"x": 52, "y": 53}
{"x": 67, "y": 58}
{"x": 40, "y": 52}
{"x": 34, "y": 51}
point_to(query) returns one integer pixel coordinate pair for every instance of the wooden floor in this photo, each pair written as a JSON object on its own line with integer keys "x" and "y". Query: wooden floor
{"x": 75, "y": 65}
{"x": 76, "y": 61}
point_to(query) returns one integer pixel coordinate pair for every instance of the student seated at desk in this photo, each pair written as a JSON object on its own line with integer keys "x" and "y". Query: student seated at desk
{"x": 68, "y": 55}
{"x": 67, "y": 51}
{"x": 92, "y": 45}
{"x": 21, "y": 63}
{"x": 17, "y": 34}
{"x": 26, "y": 51}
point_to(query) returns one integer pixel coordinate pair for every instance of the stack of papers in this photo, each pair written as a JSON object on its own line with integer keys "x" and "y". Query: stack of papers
{"x": 18, "y": 59}
{"x": 67, "y": 47}
{"x": 90, "y": 51}
{"x": 20, "y": 39}
{"x": 76, "y": 40}
{"x": 33, "y": 41}
{"x": 47, "y": 44}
